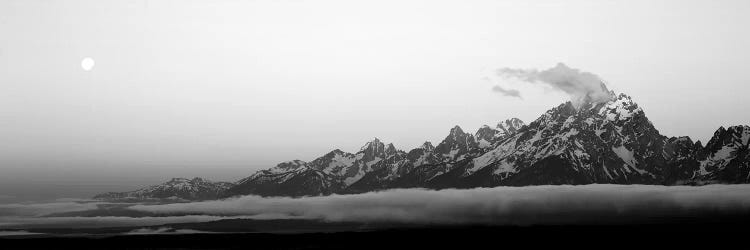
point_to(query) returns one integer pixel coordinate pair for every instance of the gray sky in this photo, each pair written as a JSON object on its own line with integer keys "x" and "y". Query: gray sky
{"x": 222, "y": 88}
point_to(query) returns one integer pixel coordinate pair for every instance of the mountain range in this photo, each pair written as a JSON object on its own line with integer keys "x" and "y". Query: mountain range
{"x": 595, "y": 142}
{"x": 176, "y": 189}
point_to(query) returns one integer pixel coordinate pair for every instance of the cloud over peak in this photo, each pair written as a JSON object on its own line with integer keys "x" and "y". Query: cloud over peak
{"x": 581, "y": 86}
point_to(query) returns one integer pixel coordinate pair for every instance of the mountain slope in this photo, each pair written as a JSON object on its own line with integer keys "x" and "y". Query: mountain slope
{"x": 292, "y": 178}
{"x": 174, "y": 189}
{"x": 610, "y": 141}
{"x": 725, "y": 158}
{"x": 602, "y": 141}
{"x": 330, "y": 173}
{"x": 375, "y": 166}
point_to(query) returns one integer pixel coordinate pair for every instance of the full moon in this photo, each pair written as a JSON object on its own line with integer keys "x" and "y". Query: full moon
{"x": 87, "y": 64}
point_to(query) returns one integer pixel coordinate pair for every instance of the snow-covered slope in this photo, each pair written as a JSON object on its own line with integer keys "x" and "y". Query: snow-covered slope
{"x": 330, "y": 173}
{"x": 376, "y": 166}
{"x": 725, "y": 158}
{"x": 610, "y": 142}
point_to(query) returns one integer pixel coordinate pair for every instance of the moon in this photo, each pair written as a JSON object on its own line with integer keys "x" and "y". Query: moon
{"x": 87, "y": 64}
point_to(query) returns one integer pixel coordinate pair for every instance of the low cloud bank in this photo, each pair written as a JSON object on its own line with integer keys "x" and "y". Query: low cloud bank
{"x": 40, "y": 209}
{"x": 165, "y": 230}
{"x": 16, "y": 233}
{"x": 490, "y": 206}
{"x": 102, "y": 222}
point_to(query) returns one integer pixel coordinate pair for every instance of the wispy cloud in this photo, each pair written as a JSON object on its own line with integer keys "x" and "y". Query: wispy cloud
{"x": 497, "y": 206}
{"x": 507, "y": 92}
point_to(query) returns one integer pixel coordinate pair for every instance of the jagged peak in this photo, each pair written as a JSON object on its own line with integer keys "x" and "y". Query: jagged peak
{"x": 390, "y": 149}
{"x": 282, "y": 167}
{"x": 456, "y": 130}
{"x": 374, "y": 141}
{"x": 295, "y": 162}
{"x": 502, "y": 128}
{"x": 683, "y": 138}
{"x": 514, "y": 121}
{"x": 510, "y": 124}
{"x": 336, "y": 152}
{"x": 738, "y": 128}
{"x": 741, "y": 132}
{"x": 427, "y": 146}
{"x": 621, "y": 108}
{"x": 564, "y": 109}
{"x": 178, "y": 179}
{"x": 487, "y": 133}
{"x": 721, "y": 130}
{"x": 291, "y": 164}
{"x": 623, "y": 96}
{"x": 732, "y": 136}
{"x": 486, "y": 129}
{"x": 622, "y": 99}
{"x": 374, "y": 144}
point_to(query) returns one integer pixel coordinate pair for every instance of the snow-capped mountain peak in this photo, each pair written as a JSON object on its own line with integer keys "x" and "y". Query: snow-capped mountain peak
{"x": 288, "y": 166}
{"x": 373, "y": 150}
{"x": 375, "y": 146}
{"x": 507, "y": 127}
{"x": 620, "y": 108}
{"x": 727, "y": 155}
{"x": 611, "y": 141}
{"x": 732, "y": 136}
{"x": 456, "y": 131}
{"x": 486, "y": 136}
{"x": 390, "y": 149}
{"x": 510, "y": 125}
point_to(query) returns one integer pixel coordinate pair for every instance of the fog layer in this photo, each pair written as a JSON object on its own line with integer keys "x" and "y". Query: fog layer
{"x": 491, "y": 206}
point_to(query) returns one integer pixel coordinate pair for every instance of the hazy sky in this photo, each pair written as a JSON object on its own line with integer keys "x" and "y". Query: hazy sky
{"x": 222, "y": 88}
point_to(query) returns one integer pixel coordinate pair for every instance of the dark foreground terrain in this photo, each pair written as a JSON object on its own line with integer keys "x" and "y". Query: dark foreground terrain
{"x": 706, "y": 233}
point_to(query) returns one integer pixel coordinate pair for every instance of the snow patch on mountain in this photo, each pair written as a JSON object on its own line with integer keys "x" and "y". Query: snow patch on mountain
{"x": 625, "y": 154}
